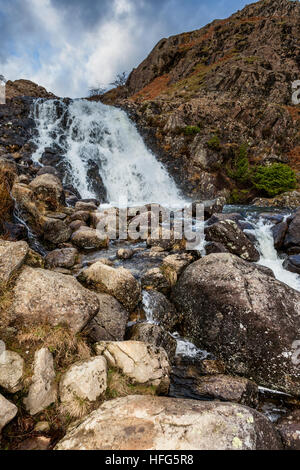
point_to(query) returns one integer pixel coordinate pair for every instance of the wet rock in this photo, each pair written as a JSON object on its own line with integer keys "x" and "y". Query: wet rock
{"x": 15, "y": 232}
{"x": 76, "y": 225}
{"x": 81, "y": 215}
{"x": 42, "y": 392}
{"x": 279, "y": 231}
{"x": 160, "y": 310}
{"x": 142, "y": 363}
{"x": 85, "y": 206}
{"x": 155, "y": 423}
{"x": 292, "y": 264}
{"x": 215, "y": 218}
{"x": 173, "y": 240}
{"x": 155, "y": 279}
{"x": 62, "y": 258}
{"x": 174, "y": 265}
{"x": 84, "y": 381}
{"x": 7, "y": 411}
{"x": 290, "y": 199}
{"x": 215, "y": 247}
{"x": 47, "y": 170}
{"x": 110, "y": 322}
{"x": 153, "y": 334}
{"x": 125, "y": 253}
{"x": 11, "y": 371}
{"x": 12, "y": 257}
{"x": 42, "y": 296}
{"x": 89, "y": 239}
{"x": 237, "y": 311}
{"x": 289, "y": 430}
{"x": 119, "y": 283}
{"x": 48, "y": 189}
{"x": 231, "y": 236}
{"x": 292, "y": 237}
{"x": 214, "y": 206}
{"x": 212, "y": 367}
{"x": 55, "y": 231}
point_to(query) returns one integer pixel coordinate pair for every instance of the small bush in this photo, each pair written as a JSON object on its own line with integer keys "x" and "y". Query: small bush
{"x": 240, "y": 170}
{"x": 274, "y": 179}
{"x": 214, "y": 143}
{"x": 191, "y": 130}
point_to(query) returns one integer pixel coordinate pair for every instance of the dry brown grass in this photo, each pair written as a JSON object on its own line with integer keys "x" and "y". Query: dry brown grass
{"x": 119, "y": 386}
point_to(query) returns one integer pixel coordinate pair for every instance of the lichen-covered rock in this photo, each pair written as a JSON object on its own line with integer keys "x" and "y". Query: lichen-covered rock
{"x": 42, "y": 296}
{"x": 12, "y": 257}
{"x": 155, "y": 279}
{"x": 62, "y": 258}
{"x": 160, "y": 423}
{"x": 239, "y": 312}
{"x": 89, "y": 239}
{"x": 110, "y": 322}
{"x": 119, "y": 283}
{"x": 7, "y": 411}
{"x": 42, "y": 391}
{"x": 11, "y": 371}
{"x": 142, "y": 363}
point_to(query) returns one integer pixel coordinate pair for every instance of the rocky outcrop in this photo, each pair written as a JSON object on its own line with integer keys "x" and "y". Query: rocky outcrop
{"x": 22, "y": 87}
{"x": 157, "y": 423}
{"x": 241, "y": 313}
{"x": 42, "y": 296}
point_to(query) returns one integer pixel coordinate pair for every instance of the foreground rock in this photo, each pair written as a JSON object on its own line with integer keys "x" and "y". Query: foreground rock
{"x": 117, "y": 282}
{"x": 246, "y": 317}
{"x": 11, "y": 371}
{"x": 42, "y": 296}
{"x": 12, "y": 256}
{"x": 289, "y": 430}
{"x": 159, "y": 423}
{"x": 142, "y": 363}
{"x": 7, "y": 411}
{"x": 42, "y": 392}
{"x": 233, "y": 239}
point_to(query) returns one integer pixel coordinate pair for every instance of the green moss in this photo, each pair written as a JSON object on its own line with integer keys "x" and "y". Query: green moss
{"x": 274, "y": 179}
{"x": 191, "y": 130}
{"x": 214, "y": 143}
{"x": 240, "y": 170}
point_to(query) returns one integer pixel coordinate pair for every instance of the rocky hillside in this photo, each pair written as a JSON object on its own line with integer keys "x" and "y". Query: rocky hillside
{"x": 205, "y": 97}
{"x": 26, "y": 88}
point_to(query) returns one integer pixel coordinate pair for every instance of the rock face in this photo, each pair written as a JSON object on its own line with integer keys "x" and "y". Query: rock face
{"x": 85, "y": 380}
{"x": 142, "y": 363}
{"x": 11, "y": 371}
{"x": 239, "y": 312}
{"x": 12, "y": 256}
{"x": 231, "y": 236}
{"x": 158, "y": 423}
{"x": 110, "y": 322}
{"x": 42, "y": 296}
{"x": 42, "y": 391}
{"x": 7, "y": 411}
{"x": 117, "y": 282}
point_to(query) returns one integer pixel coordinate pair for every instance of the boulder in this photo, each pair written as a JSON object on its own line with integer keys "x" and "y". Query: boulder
{"x": 11, "y": 371}
{"x": 119, "y": 283}
{"x": 48, "y": 189}
{"x": 42, "y": 391}
{"x": 89, "y": 239}
{"x": 292, "y": 264}
{"x": 55, "y": 231}
{"x": 85, "y": 206}
{"x": 110, "y": 322}
{"x": 42, "y": 296}
{"x": 215, "y": 247}
{"x": 155, "y": 279}
{"x": 239, "y": 312}
{"x": 62, "y": 258}
{"x": 7, "y": 411}
{"x": 125, "y": 253}
{"x": 159, "y": 309}
{"x": 83, "y": 381}
{"x": 160, "y": 423}
{"x": 231, "y": 236}
{"x": 76, "y": 225}
{"x": 12, "y": 257}
{"x": 289, "y": 430}
{"x": 279, "y": 231}
{"x": 153, "y": 334}
{"x": 142, "y": 363}
{"x": 292, "y": 237}
{"x": 174, "y": 265}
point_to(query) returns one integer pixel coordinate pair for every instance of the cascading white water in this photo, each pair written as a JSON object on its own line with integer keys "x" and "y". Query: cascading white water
{"x": 269, "y": 256}
{"x": 86, "y": 131}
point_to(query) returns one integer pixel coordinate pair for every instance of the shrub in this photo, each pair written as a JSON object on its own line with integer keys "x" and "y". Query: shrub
{"x": 214, "y": 143}
{"x": 191, "y": 130}
{"x": 274, "y": 179}
{"x": 240, "y": 170}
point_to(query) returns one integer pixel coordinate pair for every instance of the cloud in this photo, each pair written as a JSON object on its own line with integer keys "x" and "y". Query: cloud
{"x": 69, "y": 45}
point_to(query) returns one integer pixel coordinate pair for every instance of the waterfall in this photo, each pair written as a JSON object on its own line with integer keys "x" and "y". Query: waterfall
{"x": 88, "y": 133}
{"x": 268, "y": 254}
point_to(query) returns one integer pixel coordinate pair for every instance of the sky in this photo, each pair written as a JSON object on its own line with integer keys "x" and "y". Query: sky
{"x": 69, "y": 46}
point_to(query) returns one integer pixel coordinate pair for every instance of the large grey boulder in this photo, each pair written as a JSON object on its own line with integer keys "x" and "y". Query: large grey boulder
{"x": 242, "y": 314}
{"x": 42, "y": 296}
{"x": 160, "y": 423}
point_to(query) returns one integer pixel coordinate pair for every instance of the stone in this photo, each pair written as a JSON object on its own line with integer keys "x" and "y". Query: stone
{"x": 76, "y": 225}
{"x": 159, "y": 309}
{"x": 292, "y": 264}
{"x": 289, "y": 430}
{"x": 42, "y": 391}
{"x": 85, "y": 206}
{"x": 85, "y": 380}
{"x": 279, "y": 232}
{"x": 7, "y": 411}
{"x": 89, "y": 239}
{"x": 48, "y": 189}
{"x": 231, "y": 236}
{"x": 55, "y": 231}
{"x": 155, "y": 279}
{"x": 62, "y": 258}
{"x": 110, "y": 322}
{"x": 238, "y": 311}
{"x": 215, "y": 247}
{"x": 292, "y": 237}
{"x": 11, "y": 371}
{"x": 153, "y": 334}
{"x": 125, "y": 253}
{"x": 12, "y": 257}
{"x": 42, "y": 296}
{"x": 119, "y": 283}
{"x": 142, "y": 363}
{"x": 174, "y": 265}
{"x": 161, "y": 423}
